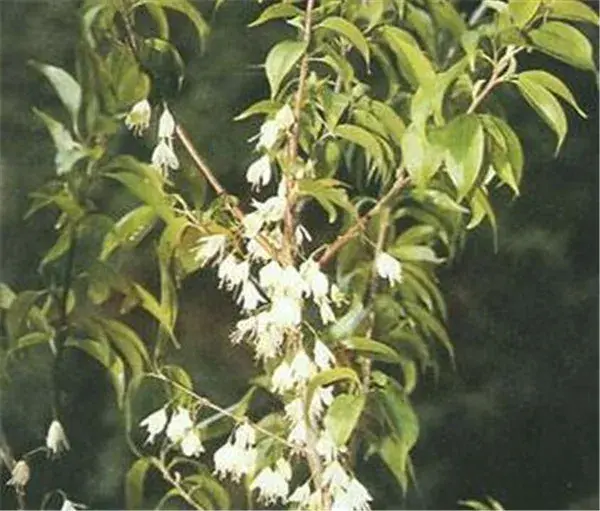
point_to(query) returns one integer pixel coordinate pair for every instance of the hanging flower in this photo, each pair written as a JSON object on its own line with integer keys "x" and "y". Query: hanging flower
{"x": 19, "y": 476}
{"x": 273, "y": 485}
{"x": 323, "y": 356}
{"x": 300, "y": 495}
{"x": 250, "y": 298}
{"x": 211, "y": 246}
{"x": 301, "y": 235}
{"x": 69, "y": 505}
{"x": 316, "y": 281}
{"x": 138, "y": 118}
{"x": 286, "y": 312}
{"x": 354, "y": 497}
{"x": 191, "y": 445}
{"x": 56, "y": 440}
{"x": 269, "y": 134}
{"x": 282, "y": 379}
{"x": 388, "y": 268}
{"x": 302, "y": 367}
{"x": 179, "y": 424}
{"x": 238, "y": 457}
{"x": 155, "y": 424}
{"x": 164, "y": 158}
{"x": 285, "y": 118}
{"x": 232, "y": 272}
{"x": 259, "y": 173}
{"x": 322, "y": 398}
{"x": 325, "y": 311}
{"x": 166, "y": 125}
{"x": 326, "y": 447}
{"x": 334, "y": 477}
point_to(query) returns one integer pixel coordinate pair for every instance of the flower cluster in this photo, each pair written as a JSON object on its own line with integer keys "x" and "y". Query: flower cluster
{"x": 180, "y": 430}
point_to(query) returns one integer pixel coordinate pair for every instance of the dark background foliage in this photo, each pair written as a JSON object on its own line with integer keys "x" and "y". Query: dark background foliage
{"x": 517, "y": 419}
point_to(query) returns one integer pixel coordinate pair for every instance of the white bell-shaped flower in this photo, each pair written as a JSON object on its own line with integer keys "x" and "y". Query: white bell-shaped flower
{"x": 19, "y": 476}
{"x": 211, "y": 246}
{"x": 250, "y": 298}
{"x": 388, "y": 268}
{"x": 282, "y": 379}
{"x": 259, "y": 173}
{"x": 323, "y": 356}
{"x": 245, "y": 436}
{"x": 334, "y": 477}
{"x": 56, "y": 440}
{"x": 138, "y": 118}
{"x": 155, "y": 424}
{"x": 302, "y": 367}
{"x": 163, "y": 157}
{"x": 285, "y": 117}
{"x": 191, "y": 445}
{"x": 180, "y": 423}
{"x": 271, "y": 485}
{"x": 269, "y": 134}
{"x": 316, "y": 281}
{"x": 166, "y": 124}
{"x": 300, "y": 495}
{"x": 286, "y": 312}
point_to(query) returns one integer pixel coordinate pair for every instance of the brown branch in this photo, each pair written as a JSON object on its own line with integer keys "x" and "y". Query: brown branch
{"x": 218, "y": 187}
{"x": 289, "y": 216}
{"x": 341, "y": 240}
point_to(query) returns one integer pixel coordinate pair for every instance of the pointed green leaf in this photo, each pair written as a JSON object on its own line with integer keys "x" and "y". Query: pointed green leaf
{"x": 129, "y": 230}
{"x": 463, "y": 140}
{"x": 68, "y": 152}
{"x": 276, "y": 11}
{"x": 414, "y": 253}
{"x": 62, "y": 245}
{"x": 547, "y": 107}
{"x": 573, "y": 10}
{"x": 184, "y": 7}
{"x": 264, "y": 106}
{"x": 522, "y": 12}
{"x": 377, "y": 350}
{"x": 280, "y": 61}
{"x": 413, "y": 62}
{"x": 68, "y": 90}
{"x": 134, "y": 483}
{"x": 447, "y": 17}
{"x": 361, "y": 137}
{"x": 514, "y": 151}
{"x": 392, "y": 122}
{"x": 554, "y": 85}
{"x": 343, "y": 415}
{"x": 421, "y": 159}
{"x": 564, "y": 43}
{"x": 349, "y": 31}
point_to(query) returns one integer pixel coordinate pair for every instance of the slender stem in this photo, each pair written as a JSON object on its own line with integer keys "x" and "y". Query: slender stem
{"x": 173, "y": 481}
{"x": 289, "y": 214}
{"x": 218, "y": 187}
{"x": 209, "y": 404}
{"x": 341, "y": 240}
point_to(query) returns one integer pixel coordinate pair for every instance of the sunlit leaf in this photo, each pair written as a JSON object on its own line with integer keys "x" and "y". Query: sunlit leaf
{"x": 280, "y": 61}
{"x": 349, "y": 31}
{"x": 554, "y": 85}
{"x": 573, "y": 10}
{"x": 547, "y": 107}
{"x": 565, "y": 43}
{"x": 134, "y": 483}
{"x": 522, "y": 12}
{"x": 342, "y": 416}
{"x": 276, "y": 11}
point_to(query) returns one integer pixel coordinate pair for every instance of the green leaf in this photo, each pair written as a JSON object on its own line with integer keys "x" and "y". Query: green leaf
{"x": 280, "y": 61}
{"x": 546, "y": 106}
{"x": 149, "y": 303}
{"x": 514, "y": 151}
{"x": 347, "y": 324}
{"x": 328, "y": 377}
{"x": 377, "y": 350}
{"x": 573, "y": 10}
{"x": 160, "y": 20}
{"x": 129, "y": 230}
{"x": 554, "y": 85}
{"x": 127, "y": 341}
{"x": 276, "y": 11}
{"x": 185, "y": 8}
{"x": 429, "y": 323}
{"x": 108, "y": 359}
{"x": 343, "y": 415}
{"x": 522, "y": 12}
{"x": 463, "y": 140}
{"x": 446, "y": 16}
{"x": 62, "y": 245}
{"x": 414, "y": 64}
{"x": 264, "y": 106}
{"x": 361, "y": 137}
{"x": 19, "y": 312}
{"x": 414, "y": 253}
{"x": 420, "y": 159}
{"x": 392, "y": 122}
{"x": 134, "y": 483}
{"x": 7, "y": 296}
{"x": 349, "y": 31}
{"x": 328, "y": 194}
{"x": 68, "y": 152}
{"x": 68, "y": 90}
{"x": 564, "y": 43}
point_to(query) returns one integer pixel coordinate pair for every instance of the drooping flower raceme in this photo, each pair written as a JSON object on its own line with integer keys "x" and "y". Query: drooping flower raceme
{"x": 273, "y": 484}
{"x": 259, "y": 173}
{"x": 56, "y": 440}
{"x": 237, "y": 457}
{"x": 163, "y": 156}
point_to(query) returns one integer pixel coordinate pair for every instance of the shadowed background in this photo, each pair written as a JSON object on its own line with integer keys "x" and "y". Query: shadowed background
{"x": 517, "y": 419}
